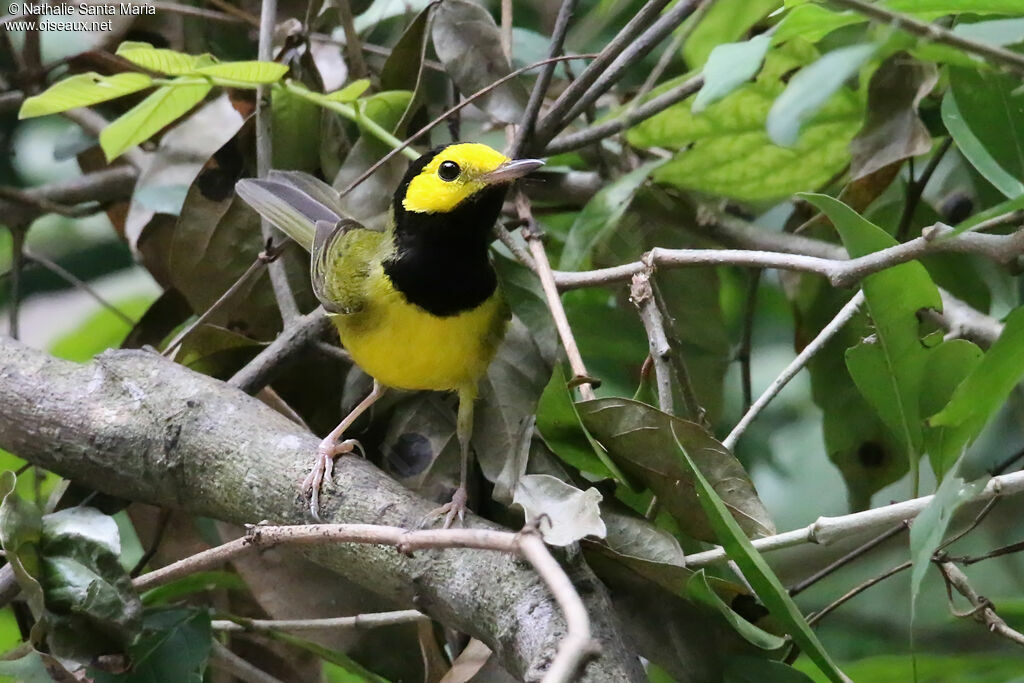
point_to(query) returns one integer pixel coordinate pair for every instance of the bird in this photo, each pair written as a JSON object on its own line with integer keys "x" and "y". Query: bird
{"x": 417, "y": 305}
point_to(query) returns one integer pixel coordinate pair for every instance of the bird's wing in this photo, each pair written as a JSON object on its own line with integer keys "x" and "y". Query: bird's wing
{"x": 292, "y": 201}
{"x": 344, "y": 256}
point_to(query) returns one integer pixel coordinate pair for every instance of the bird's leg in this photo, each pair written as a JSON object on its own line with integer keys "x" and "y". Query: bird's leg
{"x": 330, "y": 448}
{"x": 463, "y": 431}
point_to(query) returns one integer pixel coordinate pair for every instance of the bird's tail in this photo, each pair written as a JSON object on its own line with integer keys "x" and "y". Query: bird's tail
{"x": 292, "y": 201}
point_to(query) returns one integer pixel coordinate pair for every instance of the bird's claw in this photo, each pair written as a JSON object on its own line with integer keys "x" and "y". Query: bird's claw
{"x": 323, "y": 469}
{"x": 456, "y": 508}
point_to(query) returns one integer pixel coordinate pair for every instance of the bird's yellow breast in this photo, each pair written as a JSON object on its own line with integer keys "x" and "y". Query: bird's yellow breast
{"x": 405, "y": 347}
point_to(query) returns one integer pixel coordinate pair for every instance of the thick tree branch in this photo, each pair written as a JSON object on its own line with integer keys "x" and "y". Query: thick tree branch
{"x": 135, "y": 425}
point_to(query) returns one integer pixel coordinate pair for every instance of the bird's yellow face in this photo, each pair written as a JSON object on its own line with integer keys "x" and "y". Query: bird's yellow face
{"x": 455, "y": 174}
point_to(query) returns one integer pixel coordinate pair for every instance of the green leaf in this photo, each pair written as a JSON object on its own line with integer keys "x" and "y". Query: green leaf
{"x": 986, "y": 119}
{"x": 296, "y": 131}
{"x": 813, "y": 22}
{"x": 699, "y": 589}
{"x": 726, "y": 151}
{"x": 639, "y": 439}
{"x": 985, "y": 389}
{"x": 729, "y": 66}
{"x": 998, "y": 32}
{"x": 159, "y": 59}
{"x": 599, "y": 218}
{"x": 947, "y": 366}
{"x": 175, "y": 646}
{"x": 351, "y": 92}
{"x": 931, "y": 9}
{"x": 982, "y": 216}
{"x": 753, "y": 670}
{"x": 21, "y": 531}
{"x": 726, "y": 21}
{"x": 930, "y": 526}
{"x": 809, "y": 90}
{"x": 888, "y": 367}
{"x": 559, "y": 425}
{"x": 82, "y": 90}
{"x": 149, "y": 116}
{"x": 246, "y": 72}
{"x": 769, "y": 589}
{"x": 194, "y": 583}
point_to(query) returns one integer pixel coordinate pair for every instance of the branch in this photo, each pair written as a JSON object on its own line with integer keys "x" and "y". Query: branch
{"x": 137, "y": 426}
{"x": 642, "y": 296}
{"x": 359, "y": 621}
{"x": 999, "y": 56}
{"x": 828, "y": 530}
{"x": 264, "y": 158}
{"x": 296, "y": 335}
{"x": 111, "y": 184}
{"x": 803, "y": 358}
{"x": 983, "y": 612}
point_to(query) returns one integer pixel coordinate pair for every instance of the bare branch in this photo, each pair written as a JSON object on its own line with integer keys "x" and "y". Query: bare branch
{"x": 264, "y": 157}
{"x": 983, "y": 612}
{"x": 237, "y": 666}
{"x": 934, "y": 33}
{"x": 258, "y": 372}
{"x": 828, "y": 530}
{"x": 74, "y": 281}
{"x": 642, "y": 296}
{"x": 835, "y": 325}
{"x": 359, "y": 621}
{"x": 111, "y": 184}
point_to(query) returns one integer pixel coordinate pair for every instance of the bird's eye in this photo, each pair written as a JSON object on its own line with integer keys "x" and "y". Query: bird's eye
{"x": 448, "y": 170}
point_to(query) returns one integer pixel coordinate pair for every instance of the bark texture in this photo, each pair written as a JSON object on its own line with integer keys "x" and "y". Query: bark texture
{"x": 135, "y": 425}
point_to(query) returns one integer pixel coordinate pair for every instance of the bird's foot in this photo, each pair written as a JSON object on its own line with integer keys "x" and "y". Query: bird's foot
{"x": 323, "y": 469}
{"x": 450, "y": 511}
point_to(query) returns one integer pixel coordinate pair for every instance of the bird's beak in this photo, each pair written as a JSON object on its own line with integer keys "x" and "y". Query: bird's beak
{"x": 510, "y": 170}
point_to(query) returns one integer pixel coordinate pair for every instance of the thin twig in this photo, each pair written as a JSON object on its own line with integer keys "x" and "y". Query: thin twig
{"x": 110, "y": 184}
{"x": 264, "y": 158}
{"x": 74, "y": 281}
{"x": 934, "y": 33}
{"x": 837, "y": 323}
{"x": 983, "y": 612}
{"x": 158, "y": 536}
{"x": 258, "y": 372}
{"x": 237, "y": 666}
{"x": 857, "y": 590}
{"x": 44, "y": 205}
{"x": 265, "y": 257}
{"x": 574, "y": 648}
{"x": 524, "y": 136}
{"x": 999, "y": 221}
{"x": 998, "y": 552}
{"x": 359, "y": 621}
{"x": 17, "y": 262}
{"x": 747, "y": 336}
{"x": 828, "y": 530}
{"x": 642, "y": 296}
{"x": 532, "y": 234}
{"x": 353, "y": 43}
{"x": 202, "y": 13}
{"x": 916, "y": 187}
{"x": 846, "y": 559}
{"x": 550, "y": 124}
{"x": 691, "y": 404}
{"x": 636, "y": 51}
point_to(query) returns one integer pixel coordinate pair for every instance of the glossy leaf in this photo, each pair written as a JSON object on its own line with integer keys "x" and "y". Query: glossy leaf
{"x": 813, "y": 22}
{"x": 699, "y": 589}
{"x": 888, "y": 367}
{"x": 769, "y": 589}
{"x": 986, "y": 119}
{"x": 947, "y": 366}
{"x": 639, "y": 439}
{"x": 637, "y": 538}
{"x": 809, "y": 90}
{"x": 599, "y": 218}
{"x": 929, "y": 527}
{"x": 729, "y": 66}
{"x": 160, "y": 60}
{"x": 144, "y": 120}
{"x": 82, "y": 90}
{"x": 564, "y": 513}
{"x": 246, "y": 72}
{"x": 726, "y": 151}
{"x": 976, "y": 400}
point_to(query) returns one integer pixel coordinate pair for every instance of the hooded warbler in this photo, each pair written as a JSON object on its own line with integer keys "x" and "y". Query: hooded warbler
{"x": 417, "y": 306}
